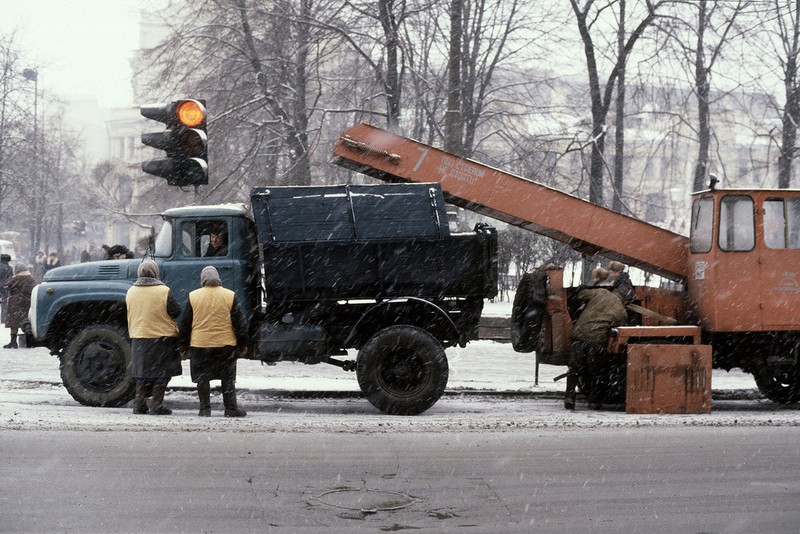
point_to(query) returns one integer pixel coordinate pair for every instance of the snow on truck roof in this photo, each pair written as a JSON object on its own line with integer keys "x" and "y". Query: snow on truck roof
{"x": 214, "y": 210}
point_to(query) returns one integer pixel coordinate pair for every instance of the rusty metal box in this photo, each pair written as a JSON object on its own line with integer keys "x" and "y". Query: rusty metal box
{"x": 668, "y": 379}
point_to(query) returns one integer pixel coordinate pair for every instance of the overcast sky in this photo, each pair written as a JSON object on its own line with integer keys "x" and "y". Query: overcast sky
{"x": 79, "y": 47}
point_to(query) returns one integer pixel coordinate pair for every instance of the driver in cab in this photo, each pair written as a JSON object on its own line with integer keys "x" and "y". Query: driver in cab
{"x": 218, "y": 245}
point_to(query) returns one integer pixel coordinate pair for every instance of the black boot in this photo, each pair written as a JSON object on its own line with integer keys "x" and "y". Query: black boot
{"x": 229, "y": 399}
{"x": 13, "y": 344}
{"x": 158, "y": 400}
{"x": 569, "y": 394}
{"x": 140, "y": 402}
{"x": 204, "y": 392}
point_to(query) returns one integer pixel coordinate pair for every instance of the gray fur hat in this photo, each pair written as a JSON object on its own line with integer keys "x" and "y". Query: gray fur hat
{"x": 147, "y": 268}
{"x": 20, "y": 267}
{"x": 210, "y": 277}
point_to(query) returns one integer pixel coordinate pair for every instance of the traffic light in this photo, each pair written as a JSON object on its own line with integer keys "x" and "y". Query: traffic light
{"x": 185, "y": 142}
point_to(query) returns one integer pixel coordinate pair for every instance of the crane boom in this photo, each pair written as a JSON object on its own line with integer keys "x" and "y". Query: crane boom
{"x": 586, "y": 227}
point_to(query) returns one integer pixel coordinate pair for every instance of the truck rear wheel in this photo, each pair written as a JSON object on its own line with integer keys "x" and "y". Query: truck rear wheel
{"x": 779, "y": 384}
{"x": 95, "y": 367}
{"x": 402, "y": 370}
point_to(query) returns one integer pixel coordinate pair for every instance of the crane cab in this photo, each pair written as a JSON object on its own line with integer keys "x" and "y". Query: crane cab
{"x": 744, "y": 260}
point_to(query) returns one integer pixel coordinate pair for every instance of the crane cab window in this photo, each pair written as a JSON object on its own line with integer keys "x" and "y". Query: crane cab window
{"x": 702, "y": 225}
{"x": 782, "y": 222}
{"x": 736, "y": 223}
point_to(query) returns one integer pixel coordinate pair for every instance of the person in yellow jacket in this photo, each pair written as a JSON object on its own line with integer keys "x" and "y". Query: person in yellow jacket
{"x": 154, "y": 338}
{"x": 213, "y": 332}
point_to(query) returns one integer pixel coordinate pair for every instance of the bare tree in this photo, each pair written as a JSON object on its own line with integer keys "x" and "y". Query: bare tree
{"x": 251, "y": 61}
{"x": 15, "y": 121}
{"x": 452, "y": 115}
{"x": 587, "y": 16}
{"x": 787, "y": 16}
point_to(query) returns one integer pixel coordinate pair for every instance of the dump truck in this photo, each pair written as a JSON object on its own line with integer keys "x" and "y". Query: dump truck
{"x": 737, "y": 273}
{"x": 317, "y": 270}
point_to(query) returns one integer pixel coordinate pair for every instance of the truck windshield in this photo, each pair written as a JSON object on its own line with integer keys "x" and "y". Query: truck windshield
{"x": 164, "y": 241}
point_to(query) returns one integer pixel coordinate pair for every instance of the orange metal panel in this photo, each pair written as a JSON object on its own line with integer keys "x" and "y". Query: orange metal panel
{"x": 622, "y": 334}
{"x": 557, "y": 324}
{"x": 668, "y": 379}
{"x": 584, "y": 226}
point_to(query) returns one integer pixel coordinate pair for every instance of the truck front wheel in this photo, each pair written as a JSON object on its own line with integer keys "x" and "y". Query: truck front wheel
{"x": 402, "y": 370}
{"x": 95, "y": 367}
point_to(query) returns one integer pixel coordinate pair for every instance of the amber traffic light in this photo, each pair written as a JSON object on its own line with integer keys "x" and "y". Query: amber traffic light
{"x": 184, "y": 140}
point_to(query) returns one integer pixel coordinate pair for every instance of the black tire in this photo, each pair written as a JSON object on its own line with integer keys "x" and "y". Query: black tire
{"x": 96, "y": 366}
{"x": 527, "y": 311}
{"x": 402, "y": 370}
{"x": 779, "y": 384}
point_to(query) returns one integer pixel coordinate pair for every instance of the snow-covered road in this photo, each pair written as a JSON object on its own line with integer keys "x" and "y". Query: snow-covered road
{"x": 33, "y": 398}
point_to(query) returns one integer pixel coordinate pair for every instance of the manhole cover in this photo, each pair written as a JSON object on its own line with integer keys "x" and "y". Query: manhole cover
{"x": 366, "y": 501}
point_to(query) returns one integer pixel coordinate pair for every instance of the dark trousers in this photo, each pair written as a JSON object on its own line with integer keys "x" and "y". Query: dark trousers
{"x": 585, "y": 363}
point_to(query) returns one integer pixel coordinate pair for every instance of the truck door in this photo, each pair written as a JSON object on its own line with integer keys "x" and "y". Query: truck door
{"x": 200, "y": 243}
{"x": 780, "y": 261}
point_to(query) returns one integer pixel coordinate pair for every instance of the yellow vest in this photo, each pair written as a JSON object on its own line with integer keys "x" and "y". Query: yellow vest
{"x": 211, "y": 317}
{"x": 147, "y": 313}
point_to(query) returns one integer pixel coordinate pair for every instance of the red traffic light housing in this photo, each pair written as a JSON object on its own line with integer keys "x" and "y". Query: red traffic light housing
{"x": 185, "y": 142}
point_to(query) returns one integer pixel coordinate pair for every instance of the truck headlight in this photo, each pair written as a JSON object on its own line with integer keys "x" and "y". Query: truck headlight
{"x": 32, "y": 310}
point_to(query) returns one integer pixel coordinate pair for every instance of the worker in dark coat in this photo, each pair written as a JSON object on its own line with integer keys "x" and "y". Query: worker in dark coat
{"x": 154, "y": 338}
{"x": 621, "y": 282}
{"x": 603, "y": 311}
{"x": 214, "y": 333}
{"x": 6, "y": 272}
{"x": 19, "y": 289}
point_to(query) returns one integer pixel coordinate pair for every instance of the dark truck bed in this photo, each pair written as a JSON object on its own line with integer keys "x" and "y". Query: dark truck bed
{"x": 372, "y": 268}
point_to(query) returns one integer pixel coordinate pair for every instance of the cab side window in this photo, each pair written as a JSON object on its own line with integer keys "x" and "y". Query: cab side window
{"x": 188, "y": 233}
{"x": 702, "y": 225}
{"x": 782, "y": 222}
{"x": 736, "y": 223}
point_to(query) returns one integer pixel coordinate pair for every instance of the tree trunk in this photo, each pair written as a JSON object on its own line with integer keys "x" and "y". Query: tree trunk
{"x": 294, "y": 134}
{"x": 702, "y": 87}
{"x": 619, "y": 122}
{"x": 791, "y": 112}
{"x": 392, "y": 78}
{"x": 452, "y": 116}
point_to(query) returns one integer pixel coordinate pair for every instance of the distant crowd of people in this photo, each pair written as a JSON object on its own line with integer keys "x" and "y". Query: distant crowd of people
{"x": 17, "y": 282}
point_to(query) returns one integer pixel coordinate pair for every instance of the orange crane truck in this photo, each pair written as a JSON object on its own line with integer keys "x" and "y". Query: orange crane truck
{"x": 740, "y": 268}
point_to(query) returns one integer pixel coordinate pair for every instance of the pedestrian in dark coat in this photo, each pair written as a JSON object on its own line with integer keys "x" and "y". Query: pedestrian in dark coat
{"x": 154, "y": 337}
{"x": 603, "y": 311}
{"x": 213, "y": 332}
{"x": 19, "y": 289}
{"x": 52, "y": 262}
{"x": 6, "y": 272}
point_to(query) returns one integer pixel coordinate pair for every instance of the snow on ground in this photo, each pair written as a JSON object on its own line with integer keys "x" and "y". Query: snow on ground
{"x": 32, "y": 398}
